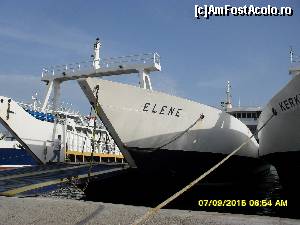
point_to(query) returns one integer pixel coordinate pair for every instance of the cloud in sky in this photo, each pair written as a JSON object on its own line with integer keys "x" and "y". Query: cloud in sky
{"x": 167, "y": 84}
{"x": 212, "y": 83}
{"x": 51, "y": 35}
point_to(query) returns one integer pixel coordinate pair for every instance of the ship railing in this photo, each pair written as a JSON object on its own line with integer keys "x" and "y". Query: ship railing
{"x": 113, "y": 62}
{"x": 77, "y": 142}
{"x": 81, "y": 143}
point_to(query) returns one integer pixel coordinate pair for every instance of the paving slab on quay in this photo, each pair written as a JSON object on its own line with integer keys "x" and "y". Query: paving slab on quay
{"x": 14, "y": 210}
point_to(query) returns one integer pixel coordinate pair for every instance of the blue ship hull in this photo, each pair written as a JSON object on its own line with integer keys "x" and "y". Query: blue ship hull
{"x": 12, "y": 156}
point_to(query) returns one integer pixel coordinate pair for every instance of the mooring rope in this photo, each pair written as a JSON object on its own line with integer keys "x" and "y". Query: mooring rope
{"x": 96, "y": 90}
{"x": 152, "y": 211}
{"x": 201, "y": 117}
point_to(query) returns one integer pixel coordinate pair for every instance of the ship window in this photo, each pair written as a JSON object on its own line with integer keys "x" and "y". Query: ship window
{"x": 258, "y": 114}
{"x": 249, "y": 115}
{"x": 243, "y": 115}
{"x": 253, "y": 115}
{"x": 238, "y": 115}
{"x": 252, "y": 128}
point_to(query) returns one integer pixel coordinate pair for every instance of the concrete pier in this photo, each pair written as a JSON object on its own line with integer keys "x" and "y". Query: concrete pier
{"x": 23, "y": 211}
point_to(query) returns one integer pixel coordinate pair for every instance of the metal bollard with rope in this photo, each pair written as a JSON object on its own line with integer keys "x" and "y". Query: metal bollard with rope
{"x": 155, "y": 210}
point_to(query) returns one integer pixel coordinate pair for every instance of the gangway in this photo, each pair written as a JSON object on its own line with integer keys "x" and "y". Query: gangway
{"x": 28, "y": 180}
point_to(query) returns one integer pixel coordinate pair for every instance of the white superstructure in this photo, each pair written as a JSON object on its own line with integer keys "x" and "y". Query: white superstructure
{"x": 248, "y": 115}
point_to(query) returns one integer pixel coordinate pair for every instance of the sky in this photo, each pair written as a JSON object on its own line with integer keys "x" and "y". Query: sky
{"x": 197, "y": 56}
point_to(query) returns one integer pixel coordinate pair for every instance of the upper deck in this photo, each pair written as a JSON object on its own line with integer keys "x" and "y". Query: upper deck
{"x": 103, "y": 67}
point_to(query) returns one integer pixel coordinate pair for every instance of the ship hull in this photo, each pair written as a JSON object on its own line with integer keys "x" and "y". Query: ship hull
{"x": 155, "y": 131}
{"x": 14, "y": 158}
{"x": 279, "y": 139}
{"x": 287, "y": 166}
{"x": 150, "y": 185}
{"x": 187, "y": 165}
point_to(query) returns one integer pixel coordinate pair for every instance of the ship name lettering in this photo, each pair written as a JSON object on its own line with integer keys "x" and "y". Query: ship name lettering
{"x": 163, "y": 110}
{"x": 153, "y": 110}
{"x": 289, "y": 103}
{"x": 177, "y": 113}
{"x": 171, "y": 111}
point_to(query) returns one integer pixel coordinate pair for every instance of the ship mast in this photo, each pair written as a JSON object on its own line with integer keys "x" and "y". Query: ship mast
{"x": 295, "y": 64}
{"x": 35, "y": 101}
{"x": 96, "y": 56}
{"x": 291, "y": 55}
{"x": 228, "y": 104}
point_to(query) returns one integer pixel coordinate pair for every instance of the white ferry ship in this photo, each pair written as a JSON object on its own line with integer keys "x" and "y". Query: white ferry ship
{"x": 161, "y": 134}
{"x": 157, "y": 132}
{"x": 280, "y": 139}
{"x": 29, "y": 144}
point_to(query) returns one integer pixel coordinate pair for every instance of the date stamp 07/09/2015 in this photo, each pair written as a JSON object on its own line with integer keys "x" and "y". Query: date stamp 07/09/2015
{"x": 242, "y": 203}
